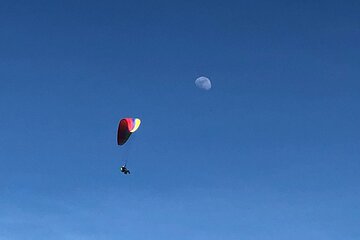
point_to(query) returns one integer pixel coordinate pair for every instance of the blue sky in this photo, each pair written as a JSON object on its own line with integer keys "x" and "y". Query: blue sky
{"x": 270, "y": 152}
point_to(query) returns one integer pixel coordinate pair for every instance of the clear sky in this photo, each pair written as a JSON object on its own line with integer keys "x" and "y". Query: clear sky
{"x": 272, "y": 151}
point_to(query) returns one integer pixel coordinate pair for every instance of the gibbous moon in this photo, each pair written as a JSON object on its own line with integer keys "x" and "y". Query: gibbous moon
{"x": 203, "y": 83}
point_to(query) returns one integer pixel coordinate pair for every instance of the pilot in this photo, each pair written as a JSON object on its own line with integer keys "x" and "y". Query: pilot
{"x": 124, "y": 170}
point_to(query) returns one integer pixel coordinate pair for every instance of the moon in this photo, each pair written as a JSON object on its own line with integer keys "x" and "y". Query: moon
{"x": 203, "y": 83}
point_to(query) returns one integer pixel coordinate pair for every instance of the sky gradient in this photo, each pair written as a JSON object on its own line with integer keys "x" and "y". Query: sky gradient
{"x": 272, "y": 151}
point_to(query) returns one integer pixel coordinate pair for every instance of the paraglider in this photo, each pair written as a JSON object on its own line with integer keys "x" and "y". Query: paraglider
{"x": 127, "y": 126}
{"x": 203, "y": 83}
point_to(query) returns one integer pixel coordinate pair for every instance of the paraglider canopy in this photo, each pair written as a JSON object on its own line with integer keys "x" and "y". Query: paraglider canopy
{"x": 126, "y": 127}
